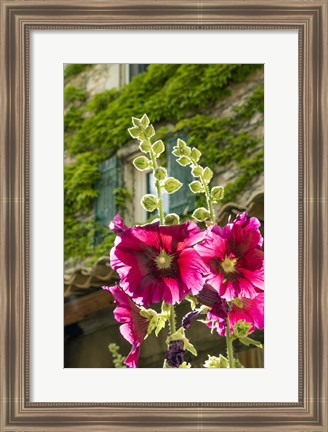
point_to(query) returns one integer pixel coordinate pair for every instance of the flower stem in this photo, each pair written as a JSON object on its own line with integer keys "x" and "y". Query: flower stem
{"x": 229, "y": 345}
{"x": 172, "y": 320}
{"x": 158, "y": 188}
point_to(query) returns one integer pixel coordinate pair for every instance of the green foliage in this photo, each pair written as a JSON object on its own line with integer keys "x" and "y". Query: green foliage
{"x": 74, "y": 69}
{"x": 118, "y": 359}
{"x": 173, "y": 94}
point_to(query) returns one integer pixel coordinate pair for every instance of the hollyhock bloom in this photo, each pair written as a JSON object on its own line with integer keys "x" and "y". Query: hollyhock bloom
{"x": 175, "y": 354}
{"x": 158, "y": 263}
{"x": 234, "y": 258}
{"x": 134, "y": 326}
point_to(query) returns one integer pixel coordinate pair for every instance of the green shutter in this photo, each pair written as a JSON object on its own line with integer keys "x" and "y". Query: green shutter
{"x": 105, "y": 208}
{"x": 182, "y": 201}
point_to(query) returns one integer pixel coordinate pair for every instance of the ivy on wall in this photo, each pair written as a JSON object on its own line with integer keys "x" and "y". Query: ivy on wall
{"x": 172, "y": 95}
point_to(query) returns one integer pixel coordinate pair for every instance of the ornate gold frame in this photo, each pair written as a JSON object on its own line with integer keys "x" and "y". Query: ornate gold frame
{"x": 310, "y": 18}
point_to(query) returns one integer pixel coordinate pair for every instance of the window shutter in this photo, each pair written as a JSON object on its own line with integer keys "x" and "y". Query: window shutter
{"x": 105, "y": 208}
{"x": 182, "y": 201}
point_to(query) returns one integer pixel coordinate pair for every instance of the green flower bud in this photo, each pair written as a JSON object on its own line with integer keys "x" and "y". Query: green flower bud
{"x": 160, "y": 173}
{"x": 217, "y": 192}
{"x": 216, "y": 362}
{"x": 196, "y": 187}
{"x": 171, "y": 219}
{"x": 144, "y": 121}
{"x": 183, "y": 161}
{"x": 207, "y": 174}
{"x": 149, "y": 202}
{"x": 201, "y": 214}
{"x": 149, "y": 131}
{"x": 181, "y": 144}
{"x": 136, "y": 122}
{"x": 195, "y": 155}
{"x": 145, "y": 146}
{"x": 241, "y": 328}
{"x": 158, "y": 147}
{"x": 141, "y": 163}
{"x": 171, "y": 185}
{"x": 197, "y": 171}
{"x": 135, "y": 132}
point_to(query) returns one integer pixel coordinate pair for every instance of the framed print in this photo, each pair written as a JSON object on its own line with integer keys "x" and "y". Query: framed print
{"x": 71, "y": 74}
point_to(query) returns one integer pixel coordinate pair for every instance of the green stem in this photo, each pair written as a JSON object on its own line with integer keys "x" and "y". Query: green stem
{"x": 158, "y": 188}
{"x": 208, "y": 199}
{"x": 229, "y": 345}
{"x": 172, "y": 320}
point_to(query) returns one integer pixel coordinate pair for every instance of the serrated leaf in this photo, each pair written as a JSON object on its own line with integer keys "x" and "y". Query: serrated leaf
{"x": 144, "y": 121}
{"x": 158, "y": 147}
{"x": 207, "y": 174}
{"x": 201, "y": 214}
{"x": 134, "y": 132}
{"x": 149, "y": 131}
{"x": 196, "y": 187}
{"x": 141, "y": 163}
{"x": 171, "y": 185}
{"x": 195, "y": 154}
{"x": 183, "y": 161}
{"x": 149, "y": 202}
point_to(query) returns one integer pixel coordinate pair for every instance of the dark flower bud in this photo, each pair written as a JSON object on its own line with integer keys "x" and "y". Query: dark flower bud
{"x": 175, "y": 354}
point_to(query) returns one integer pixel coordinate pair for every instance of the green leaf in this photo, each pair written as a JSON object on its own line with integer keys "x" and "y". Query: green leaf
{"x": 181, "y": 144}
{"x": 145, "y": 146}
{"x": 149, "y": 202}
{"x": 196, "y": 187}
{"x": 249, "y": 341}
{"x": 197, "y": 171}
{"x": 160, "y": 325}
{"x": 171, "y": 219}
{"x": 144, "y": 121}
{"x": 150, "y": 131}
{"x": 217, "y": 362}
{"x": 158, "y": 147}
{"x": 171, "y": 185}
{"x": 177, "y": 151}
{"x": 136, "y": 122}
{"x": 186, "y": 151}
{"x": 201, "y": 214}
{"x": 141, "y": 163}
{"x": 160, "y": 173}
{"x": 195, "y": 155}
{"x": 134, "y": 132}
{"x": 207, "y": 174}
{"x": 217, "y": 193}
{"x": 183, "y": 161}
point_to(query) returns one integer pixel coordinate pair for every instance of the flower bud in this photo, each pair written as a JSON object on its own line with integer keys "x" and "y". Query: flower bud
{"x": 141, "y": 163}
{"x": 207, "y": 174}
{"x": 216, "y": 362}
{"x": 145, "y": 146}
{"x": 201, "y": 214}
{"x": 171, "y": 219}
{"x": 195, "y": 155}
{"x": 217, "y": 192}
{"x": 196, "y": 187}
{"x": 160, "y": 173}
{"x": 183, "y": 161}
{"x": 158, "y": 147}
{"x": 171, "y": 185}
{"x": 149, "y": 202}
{"x": 197, "y": 171}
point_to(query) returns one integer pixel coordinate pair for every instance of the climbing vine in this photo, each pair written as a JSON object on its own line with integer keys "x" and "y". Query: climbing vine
{"x": 175, "y": 95}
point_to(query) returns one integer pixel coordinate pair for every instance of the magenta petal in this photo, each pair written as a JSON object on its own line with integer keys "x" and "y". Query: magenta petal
{"x": 133, "y": 357}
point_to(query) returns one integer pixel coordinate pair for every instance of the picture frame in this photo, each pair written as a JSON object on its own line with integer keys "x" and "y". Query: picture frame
{"x": 310, "y": 18}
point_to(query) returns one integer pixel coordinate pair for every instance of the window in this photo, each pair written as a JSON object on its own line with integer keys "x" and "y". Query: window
{"x": 105, "y": 207}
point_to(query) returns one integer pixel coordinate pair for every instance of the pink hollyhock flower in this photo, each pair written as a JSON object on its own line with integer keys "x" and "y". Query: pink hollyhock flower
{"x": 117, "y": 225}
{"x": 234, "y": 258}
{"x": 157, "y": 263}
{"x": 134, "y": 326}
{"x": 241, "y": 308}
